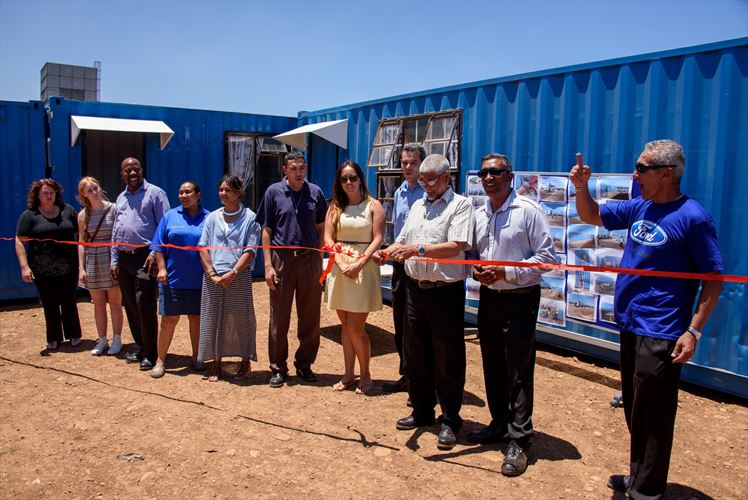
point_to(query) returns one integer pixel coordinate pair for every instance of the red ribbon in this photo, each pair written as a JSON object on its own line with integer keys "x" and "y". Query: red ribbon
{"x": 725, "y": 278}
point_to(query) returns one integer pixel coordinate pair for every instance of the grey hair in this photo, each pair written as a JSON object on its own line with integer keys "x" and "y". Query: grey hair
{"x": 668, "y": 152}
{"x": 412, "y": 147}
{"x": 434, "y": 164}
{"x": 505, "y": 163}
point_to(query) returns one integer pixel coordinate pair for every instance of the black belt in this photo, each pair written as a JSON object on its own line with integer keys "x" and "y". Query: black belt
{"x": 134, "y": 251}
{"x": 300, "y": 252}
{"x": 427, "y": 285}
{"x": 519, "y": 291}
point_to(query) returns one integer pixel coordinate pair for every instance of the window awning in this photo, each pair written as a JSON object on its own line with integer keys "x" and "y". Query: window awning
{"x": 334, "y": 131}
{"x": 78, "y": 123}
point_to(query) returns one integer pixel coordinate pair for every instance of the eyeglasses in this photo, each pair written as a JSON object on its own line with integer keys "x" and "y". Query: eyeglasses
{"x": 346, "y": 178}
{"x": 432, "y": 183}
{"x": 495, "y": 172}
{"x": 643, "y": 169}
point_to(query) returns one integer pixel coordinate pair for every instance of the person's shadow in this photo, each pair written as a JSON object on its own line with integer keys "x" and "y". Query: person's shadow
{"x": 674, "y": 491}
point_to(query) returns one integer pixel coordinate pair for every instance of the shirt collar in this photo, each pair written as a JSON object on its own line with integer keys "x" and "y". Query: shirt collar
{"x": 288, "y": 187}
{"x": 509, "y": 202}
{"x": 406, "y": 187}
{"x": 142, "y": 187}
{"x": 447, "y": 196}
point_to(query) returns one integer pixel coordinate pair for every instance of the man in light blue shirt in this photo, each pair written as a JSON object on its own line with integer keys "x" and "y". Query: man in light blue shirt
{"x": 138, "y": 211}
{"x": 411, "y": 157}
{"x": 509, "y": 227}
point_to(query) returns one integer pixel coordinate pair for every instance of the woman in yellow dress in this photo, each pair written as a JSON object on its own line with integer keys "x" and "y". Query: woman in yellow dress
{"x": 355, "y": 222}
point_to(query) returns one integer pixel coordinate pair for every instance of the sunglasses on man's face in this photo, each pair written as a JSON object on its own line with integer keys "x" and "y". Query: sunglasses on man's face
{"x": 495, "y": 172}
{"x": 345, "y": 178}
{"x": 642, "y": 168}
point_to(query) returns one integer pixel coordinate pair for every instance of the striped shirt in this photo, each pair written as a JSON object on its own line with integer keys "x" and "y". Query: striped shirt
{"x": 449, "y": 218}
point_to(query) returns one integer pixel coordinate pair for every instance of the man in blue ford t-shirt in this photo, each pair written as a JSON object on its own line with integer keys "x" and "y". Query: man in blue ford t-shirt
{"x": 667, "y": 231}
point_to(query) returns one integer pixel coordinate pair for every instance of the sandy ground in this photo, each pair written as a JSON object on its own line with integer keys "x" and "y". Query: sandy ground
{"x": 67, "y": 416}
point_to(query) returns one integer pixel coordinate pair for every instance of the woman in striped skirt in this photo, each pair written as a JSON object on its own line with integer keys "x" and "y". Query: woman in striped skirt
{"x": 95, "y": 223}
{"x": 227, "y": 315}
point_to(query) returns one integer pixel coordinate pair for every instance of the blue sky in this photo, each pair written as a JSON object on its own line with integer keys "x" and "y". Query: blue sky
{"x": 285, "y": 56}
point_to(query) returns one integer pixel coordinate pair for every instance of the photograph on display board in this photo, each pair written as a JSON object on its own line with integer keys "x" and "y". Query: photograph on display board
{"x": 559, "y": 239}
{"x": 609, "y": 257}
{"x": 552, "y": 288}
{"x": 472, "y": 289}
{"x": 572, "y": 214}
{"x": 552, "y": 312}
{"x": 555, "y": 213}
{"x": 478, "y": 201}
{"x": 581, "y": 306}
{"x": 553, "y": 188}
{"x": 591, "y": 186}
{"x": 615, "y": 239}
{"x": 582, "y": 236}
{"x": 604, "y": 283}
{"x": 557, "y": 273}
{"x": 526, "y": 185}
{"x": 582, "y": 257}
{"x": 474, "y": 186}
{"x": 606, "y": 309}
{"x": 580, "y": 281}
{"x": 615, "y": 188}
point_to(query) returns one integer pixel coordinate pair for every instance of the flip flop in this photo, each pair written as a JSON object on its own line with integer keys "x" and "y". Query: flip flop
{"x": 366, "y": 389}
{"x": 342, "y": 386}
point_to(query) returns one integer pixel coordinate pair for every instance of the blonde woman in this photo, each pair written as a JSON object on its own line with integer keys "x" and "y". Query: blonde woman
{"x": 95, "y": 223}
{"x": 355, "y": 221}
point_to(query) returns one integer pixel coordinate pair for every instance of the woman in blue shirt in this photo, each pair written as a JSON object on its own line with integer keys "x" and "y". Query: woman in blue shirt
{"x": 179, "y": 272}
{"x": 227, "y": 323}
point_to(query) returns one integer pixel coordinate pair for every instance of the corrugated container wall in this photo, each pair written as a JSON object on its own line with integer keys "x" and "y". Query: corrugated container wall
{"x": 196, "y": 151}
{"x": 608, "y": 111}
{"x": 22, "y": 161}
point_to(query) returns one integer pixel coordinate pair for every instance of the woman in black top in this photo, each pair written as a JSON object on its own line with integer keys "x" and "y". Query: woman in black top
{"x": 52, "y": 266}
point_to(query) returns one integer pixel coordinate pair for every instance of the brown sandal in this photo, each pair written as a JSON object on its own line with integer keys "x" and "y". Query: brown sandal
{"x": 366, "y": 389}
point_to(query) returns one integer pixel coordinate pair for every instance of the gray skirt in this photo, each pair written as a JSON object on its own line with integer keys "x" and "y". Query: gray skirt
{"x": 227, "y": 320}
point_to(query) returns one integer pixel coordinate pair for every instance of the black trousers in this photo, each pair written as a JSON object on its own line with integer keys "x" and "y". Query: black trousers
{"x": 435, "y": 350}
{"x": 139, "y": 296}
{"x": 57, "y": 295}
{"x": 399, "y": 290}
{"x": 649, "y": 382}
{"x": 506, "y": 326}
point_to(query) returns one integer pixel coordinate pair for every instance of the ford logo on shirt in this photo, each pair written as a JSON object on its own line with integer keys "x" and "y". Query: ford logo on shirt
{"x": 648, "y": 233}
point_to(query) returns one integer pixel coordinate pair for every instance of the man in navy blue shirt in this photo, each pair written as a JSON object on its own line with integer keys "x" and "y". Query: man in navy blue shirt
{"x": 667, "y": 231}
{"x": 292, "y": 213}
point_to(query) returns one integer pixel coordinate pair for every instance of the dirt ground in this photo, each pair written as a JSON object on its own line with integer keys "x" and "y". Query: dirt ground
{"x": 67, "y": 416}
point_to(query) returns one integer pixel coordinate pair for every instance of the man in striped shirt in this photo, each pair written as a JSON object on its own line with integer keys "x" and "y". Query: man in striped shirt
{"x": 439, "y": 226}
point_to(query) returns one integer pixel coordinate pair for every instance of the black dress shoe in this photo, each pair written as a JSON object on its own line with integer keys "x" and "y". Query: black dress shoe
{"x": 399, "y": 385}
{"x": 515, "y": 461}
{"x": 447, "y": 439}
{"x": 619, "y": 482}
{"x": 133, "y": 357}
{"x": 277, "y": 380}
{"x": 487, "y": 435}
{"x": 409, "y": 423}
{"x": 306, "y": 374}
{"x": 145, "y": 365}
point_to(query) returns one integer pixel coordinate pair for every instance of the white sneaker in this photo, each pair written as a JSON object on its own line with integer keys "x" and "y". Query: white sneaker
{"x": 101, "y": 346}
{"x": 116, "y": 345}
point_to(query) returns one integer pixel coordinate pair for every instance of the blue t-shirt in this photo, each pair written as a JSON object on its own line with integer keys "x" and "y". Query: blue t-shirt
{"x": 279, "y": 208}
{"x": 677, "y": 236}
{"x": 178, "y": 227}
{"x": 243, "y": 232}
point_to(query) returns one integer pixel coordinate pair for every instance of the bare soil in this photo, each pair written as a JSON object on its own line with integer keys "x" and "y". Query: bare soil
{"x": 67, "y": 416}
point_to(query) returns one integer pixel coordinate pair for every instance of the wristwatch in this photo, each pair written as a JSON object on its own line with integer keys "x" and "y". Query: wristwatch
{"x": 693, "y": 331}
{"x": 421, "y": 251}
{"x": 233, "y": 270}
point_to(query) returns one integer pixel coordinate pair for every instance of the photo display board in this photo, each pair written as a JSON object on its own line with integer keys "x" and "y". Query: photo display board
{"x": 582, "y": 296}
